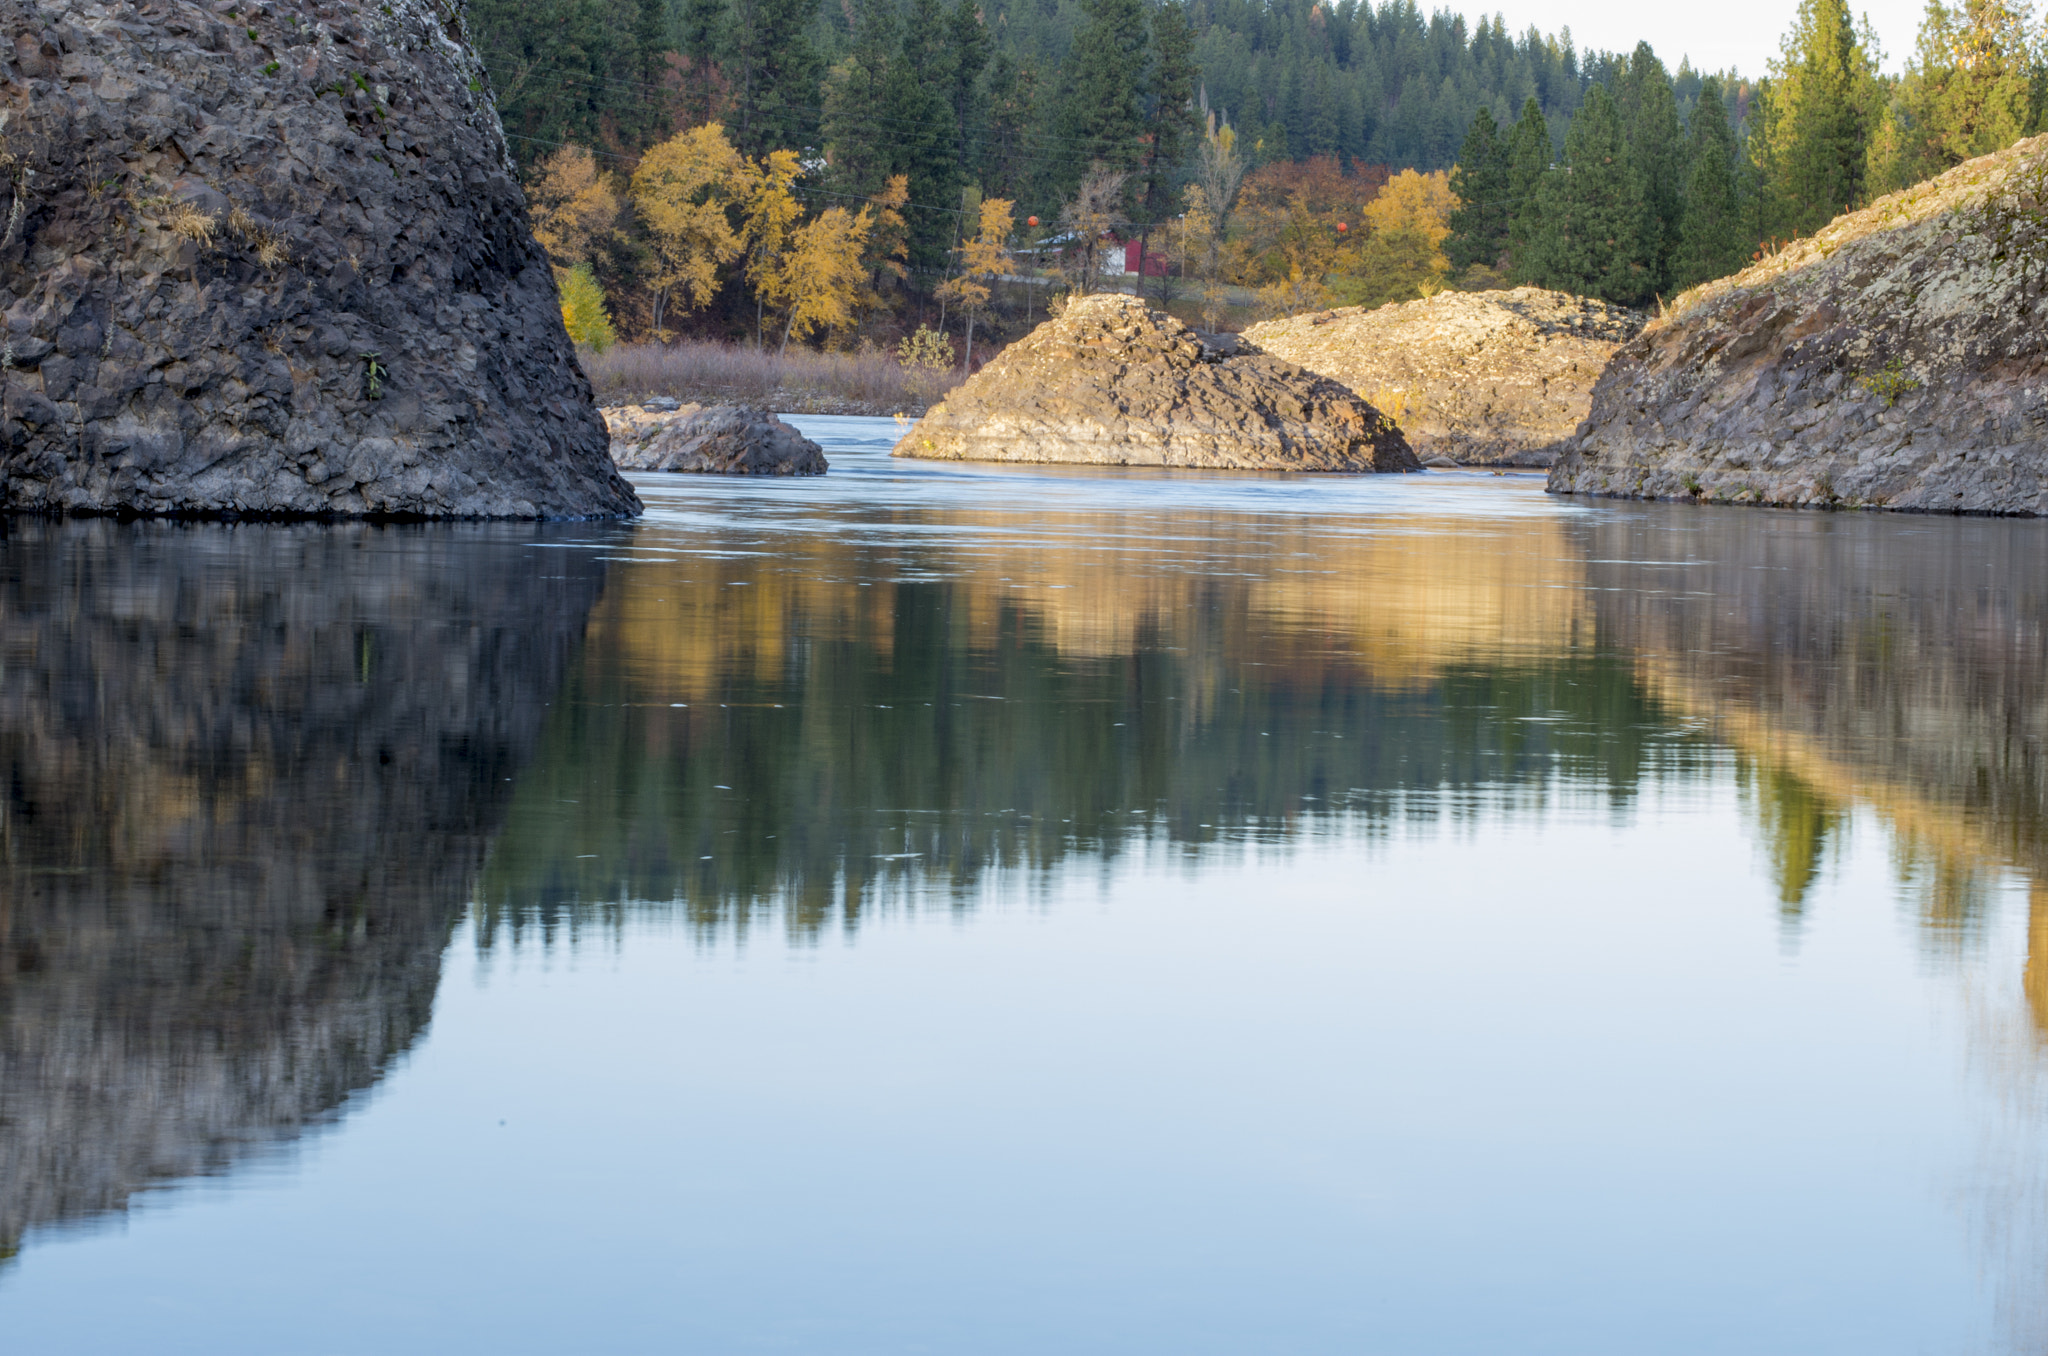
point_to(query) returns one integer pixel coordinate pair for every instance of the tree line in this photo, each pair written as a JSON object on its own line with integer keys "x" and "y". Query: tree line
{"x": 1640, "y": 202}
{"x": 1605, "y": 174}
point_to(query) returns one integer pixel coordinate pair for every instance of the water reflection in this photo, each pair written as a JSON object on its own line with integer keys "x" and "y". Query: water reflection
{"x": 796, "y": 724}
{"x": 251, "y": 774}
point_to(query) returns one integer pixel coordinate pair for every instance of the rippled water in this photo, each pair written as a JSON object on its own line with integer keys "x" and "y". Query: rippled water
{"x": 951, "y": 909}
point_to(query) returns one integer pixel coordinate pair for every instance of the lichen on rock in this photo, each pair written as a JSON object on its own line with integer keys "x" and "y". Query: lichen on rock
{"x": 275, "y": 262}
{"x": 1896, "y": 359}
{"x": 1113, "y": 382}
{"x": 1473, "y": 378}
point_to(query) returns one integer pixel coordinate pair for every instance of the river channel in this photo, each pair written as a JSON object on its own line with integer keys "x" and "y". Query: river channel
{"x": 946, "y": 909}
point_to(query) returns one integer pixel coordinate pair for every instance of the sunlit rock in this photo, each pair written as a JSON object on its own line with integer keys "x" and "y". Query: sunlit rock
{"x": 1472, "y": 378}
{"x": 1113, "y": 382}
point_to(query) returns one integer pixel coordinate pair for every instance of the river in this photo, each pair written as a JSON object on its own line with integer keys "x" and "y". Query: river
{"x": 937, "y": 908}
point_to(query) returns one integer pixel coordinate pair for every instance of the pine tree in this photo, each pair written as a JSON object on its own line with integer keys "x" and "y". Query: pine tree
{"x": 1011, "y": 170}
{"x": 1175, "y": 122}
{"x": 1479, "y": 226}
{"x": 970, "y": 52}
{"x": 856, "y": 100}
{"x": 776, "y": 71}
{"x": 703, "y": 33}
{"x": 917, "y": 122}
{"x": 1588, "y": 237}
{"x": 1529, "y": 153}
{"x": 1656, "y": 149}
{"x": 1827, "y": 99}
{"x": 1968, "y": 91}
{"x": 1100, "y": 83}
{"x": 1711, "y": 240}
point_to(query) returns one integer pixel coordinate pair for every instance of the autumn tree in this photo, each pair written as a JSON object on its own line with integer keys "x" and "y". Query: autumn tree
{"x": 769, "y": 212}
{"x": 817, "y": 282}
{"x": 572, "y": 205}
{"x": 885, "y": 257}
{"x": 1095, "y": 211}
{"x": 983, "y": 258}
{"x": 1219, "y": 175}
{"x": 1403, "y": 257}
{"x": 684, "y": 190}
{"x": 584, "y": 313}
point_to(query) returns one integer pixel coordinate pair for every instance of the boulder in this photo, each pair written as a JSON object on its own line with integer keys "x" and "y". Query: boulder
{"x": 731, "y": 440}
{"x": 1113, "y": 382}
{"x": 1472, "y": 378}
{"x": 1897, "y": 359}
{"x": 274, "y": 261}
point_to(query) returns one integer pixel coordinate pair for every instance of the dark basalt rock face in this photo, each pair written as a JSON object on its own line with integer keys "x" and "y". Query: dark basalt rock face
{"x": 731, "y": 440}
{"x": 1896, "y": 359}
{"x": 253, "y": 773}
{"x": 275, "y": 261}
{"x": 1112, "y": 382}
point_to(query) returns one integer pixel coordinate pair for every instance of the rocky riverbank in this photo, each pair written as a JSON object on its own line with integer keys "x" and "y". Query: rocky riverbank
{"x": 1113, "y": 382}
{"x": 275, "y": 263}
{"x": 733, "y": 440}
{"x": 1897, "y": 359}
{"x": 1473, "y": 378}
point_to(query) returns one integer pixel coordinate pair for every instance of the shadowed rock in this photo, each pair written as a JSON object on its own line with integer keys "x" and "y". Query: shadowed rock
{"x": 1113, "y": 382}
{"x": 1472, "y": 378}
{"x": 275, "y": 263}
{"x": 1897, "y": 359}
{"x": 729, "y": 440}
{"x": 251, "y": 775}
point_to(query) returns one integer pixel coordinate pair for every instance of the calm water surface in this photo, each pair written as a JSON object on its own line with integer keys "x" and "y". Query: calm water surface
{"x": 938, "y": 909}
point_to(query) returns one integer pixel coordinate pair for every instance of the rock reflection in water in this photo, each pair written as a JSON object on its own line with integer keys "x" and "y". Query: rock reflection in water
{"x": 251, "y": 773}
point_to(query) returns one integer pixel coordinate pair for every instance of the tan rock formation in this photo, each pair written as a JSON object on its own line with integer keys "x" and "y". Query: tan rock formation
{"x": 1113, "y": 382}
{"x": 1897, "y": 359}
{"x": 1472, "y": 378}
{"x": 732, "y": 440}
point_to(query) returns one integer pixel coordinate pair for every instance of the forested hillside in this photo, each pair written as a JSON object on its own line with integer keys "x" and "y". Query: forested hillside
{"x": 1246, "y": 142}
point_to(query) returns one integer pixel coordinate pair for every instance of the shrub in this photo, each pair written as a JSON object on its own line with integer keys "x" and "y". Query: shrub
{"x": 583, "y": 310}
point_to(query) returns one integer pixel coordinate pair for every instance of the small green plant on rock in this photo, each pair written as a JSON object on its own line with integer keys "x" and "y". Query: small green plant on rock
{"x": 374, "y": 373}
{"x": 1889, "y": 382}
{"x": 1691, "y": 483}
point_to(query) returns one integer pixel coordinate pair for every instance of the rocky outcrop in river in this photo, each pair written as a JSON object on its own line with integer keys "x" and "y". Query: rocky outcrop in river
{"x": 253, "y": 774}
{"x": 732, "y": 440}
{"x": 1898, "y": 359}
{"x": 274, "y": 261}
{"x": 1113, "y": 382}
{"x": 1472, "y": 378}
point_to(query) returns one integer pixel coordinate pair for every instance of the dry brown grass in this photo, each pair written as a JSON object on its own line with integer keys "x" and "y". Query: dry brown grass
{"x": 800, "y": 382}
{"x": 188, "y": 221}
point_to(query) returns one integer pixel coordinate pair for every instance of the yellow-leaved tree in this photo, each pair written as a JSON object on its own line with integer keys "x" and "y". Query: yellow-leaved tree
{"x": 882, "y": 262}
{"x": 769, "y": 213}
{"x": 983, "y": 259}
{"x": 583, "y": 309}
{"x": 684, "y": 190}
{"x": 1403, "y": 255}
{"x": 572, "y": 204}
{"x": 819, "y": 276}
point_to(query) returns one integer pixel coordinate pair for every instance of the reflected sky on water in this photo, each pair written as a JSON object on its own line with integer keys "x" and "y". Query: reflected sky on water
{"x": 941, "y": 908}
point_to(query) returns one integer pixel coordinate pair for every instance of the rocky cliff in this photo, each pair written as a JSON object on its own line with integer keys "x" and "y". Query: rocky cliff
{"x": 1898, "y": 359}
{"x": 271, "y": 259}
{"x": 1113, "y": 382}
{"x": 252, "y": 774}
{"x": 1472, "y": 378}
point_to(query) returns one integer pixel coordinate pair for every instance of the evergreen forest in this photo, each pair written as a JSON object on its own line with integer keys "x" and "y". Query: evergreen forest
{"x": 827, "y": 170}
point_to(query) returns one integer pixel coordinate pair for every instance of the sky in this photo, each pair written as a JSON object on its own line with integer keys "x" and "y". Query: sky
{"x": 1716, "y": 34}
